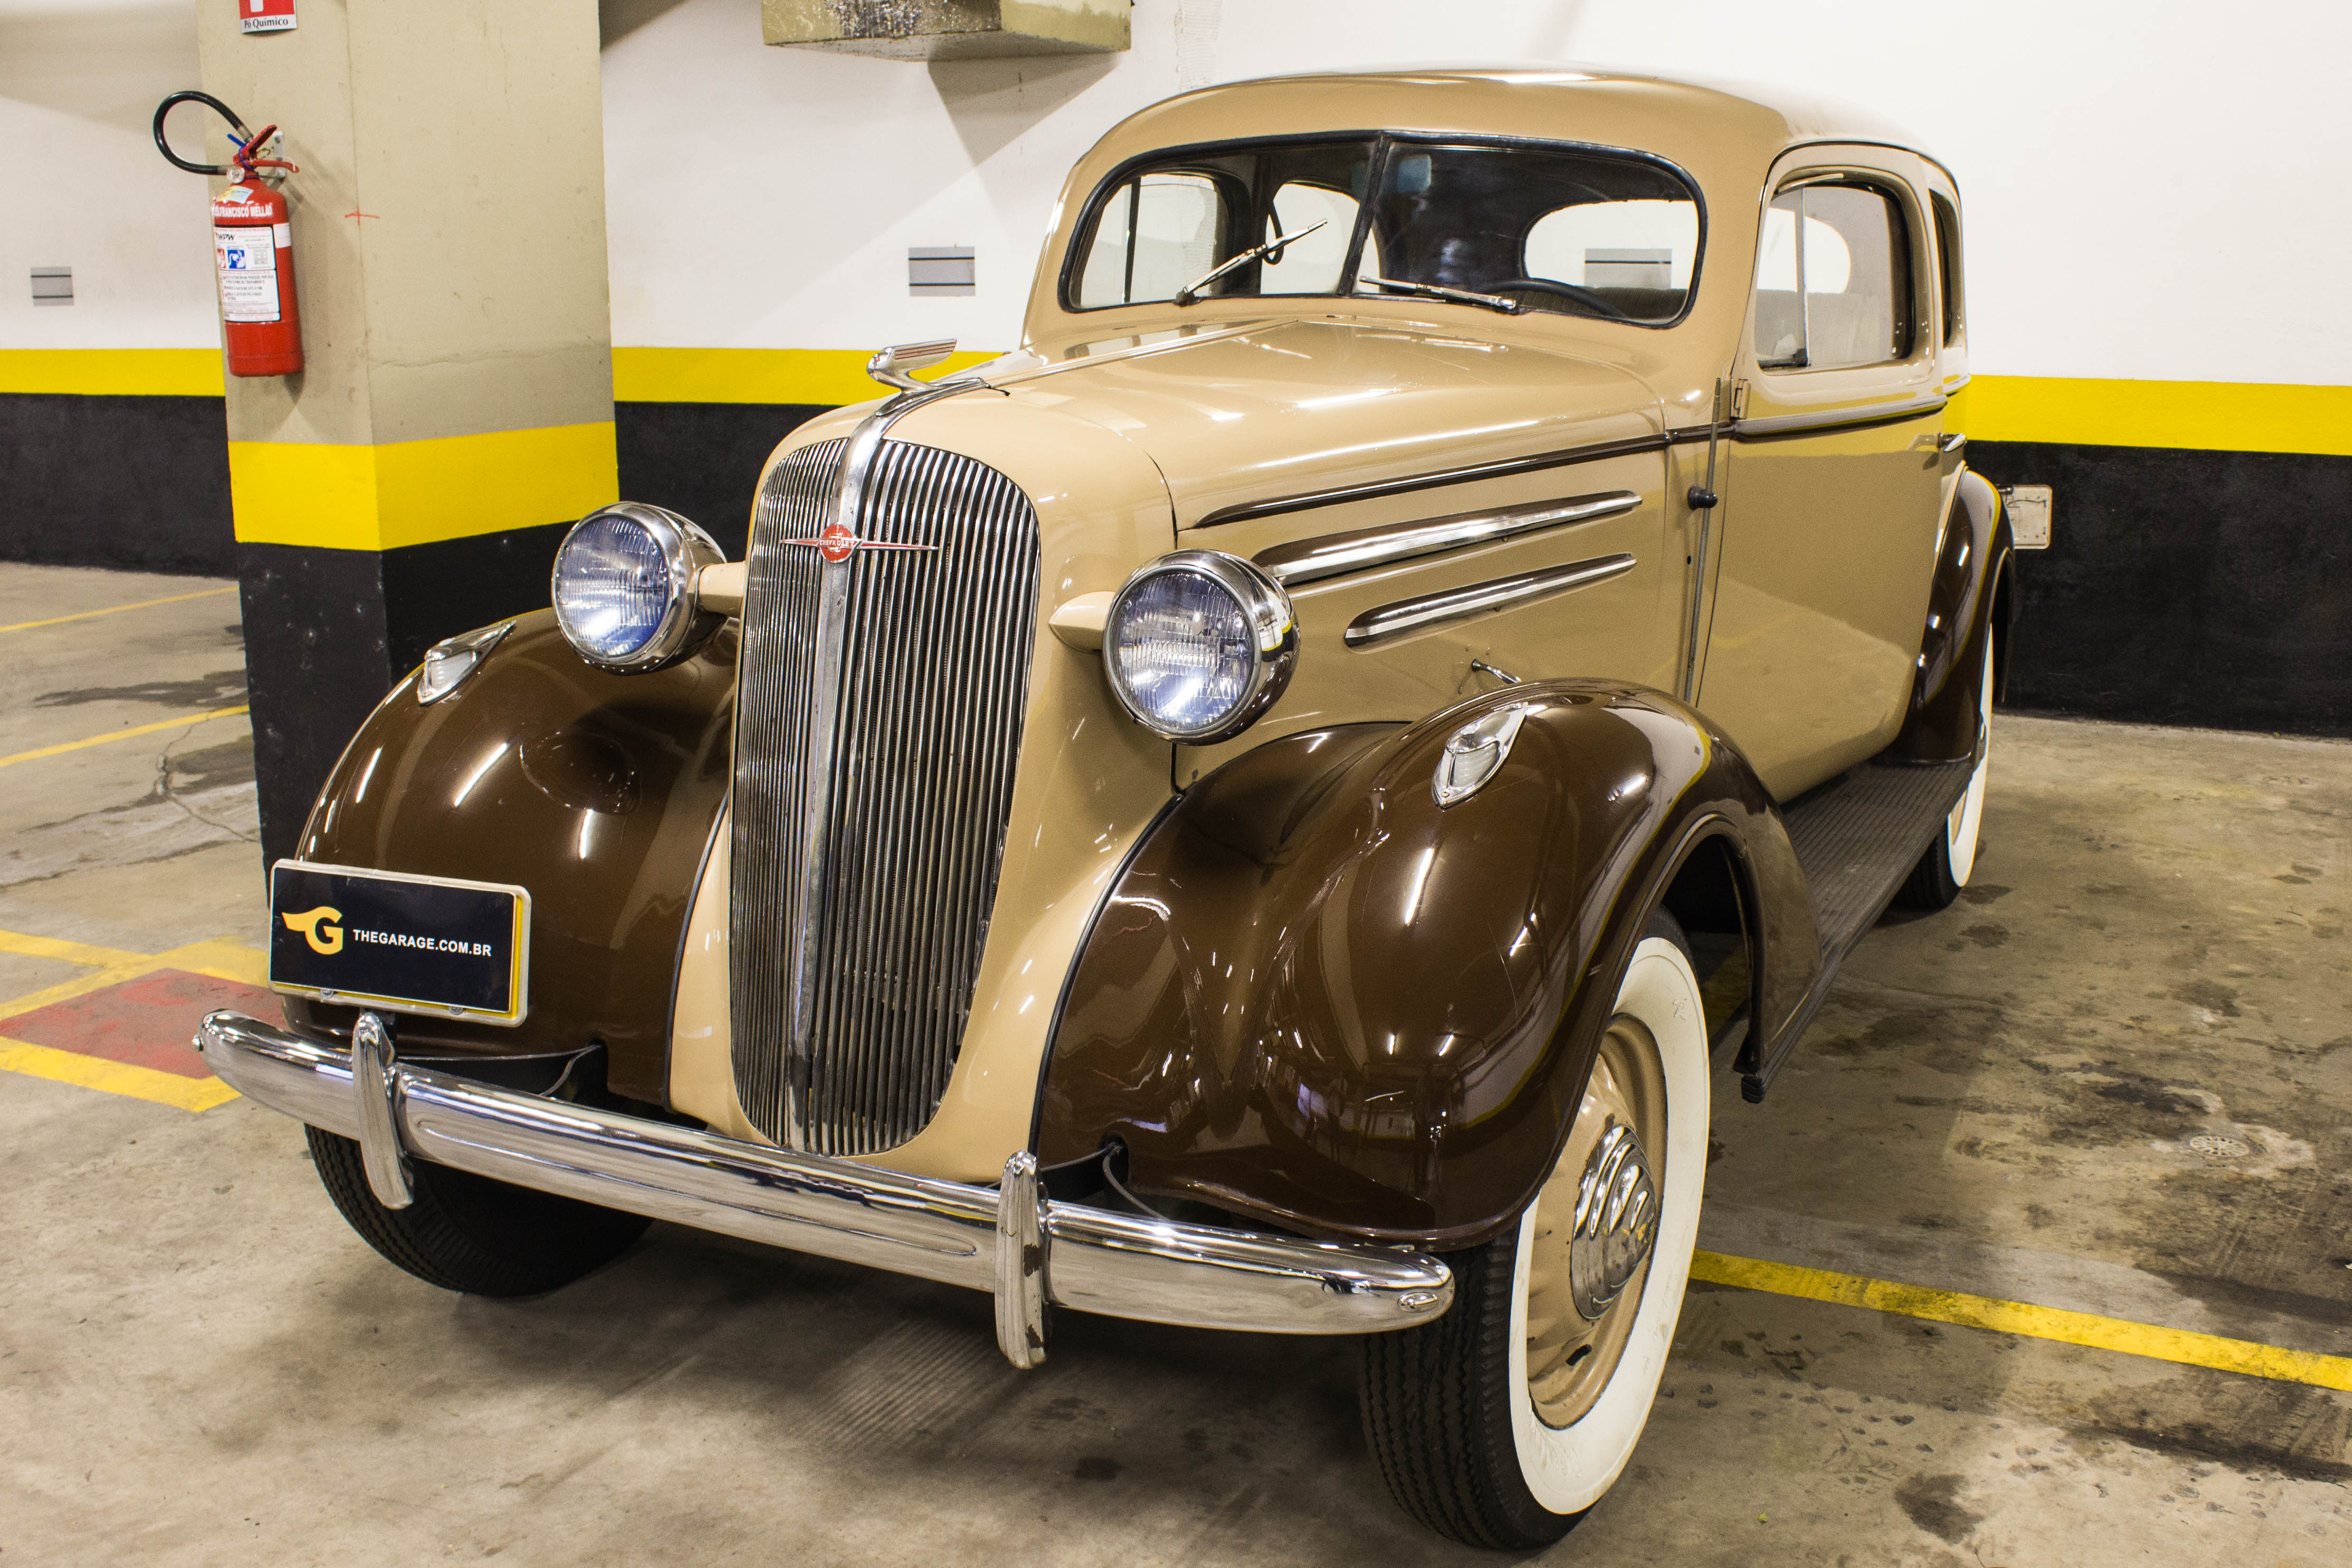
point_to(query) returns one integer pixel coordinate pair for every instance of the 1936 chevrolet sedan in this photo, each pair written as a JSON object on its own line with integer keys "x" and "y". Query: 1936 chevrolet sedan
{"x": 1263, "y": 809}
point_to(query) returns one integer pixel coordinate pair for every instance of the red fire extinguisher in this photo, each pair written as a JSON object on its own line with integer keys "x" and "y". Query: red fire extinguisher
{"x": 253, "y": 249}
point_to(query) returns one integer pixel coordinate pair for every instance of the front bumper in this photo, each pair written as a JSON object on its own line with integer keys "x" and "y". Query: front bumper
{"x": 1008, "y": 1240}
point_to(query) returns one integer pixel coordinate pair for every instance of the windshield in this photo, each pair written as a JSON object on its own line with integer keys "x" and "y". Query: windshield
{"x": 1504, "y": 226}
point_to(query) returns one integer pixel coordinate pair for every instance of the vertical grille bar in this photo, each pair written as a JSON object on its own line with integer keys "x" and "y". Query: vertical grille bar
{"x": 894, "y": 885}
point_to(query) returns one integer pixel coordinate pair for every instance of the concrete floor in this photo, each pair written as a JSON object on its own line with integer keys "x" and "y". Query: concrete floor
{"x": 199, "y": 1363}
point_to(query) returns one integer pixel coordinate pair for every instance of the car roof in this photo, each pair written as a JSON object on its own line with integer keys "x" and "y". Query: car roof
{"x": 1707, "y": 126}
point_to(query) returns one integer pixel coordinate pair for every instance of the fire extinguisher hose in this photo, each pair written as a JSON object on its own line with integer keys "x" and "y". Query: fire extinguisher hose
{"x": 242, "y": 164}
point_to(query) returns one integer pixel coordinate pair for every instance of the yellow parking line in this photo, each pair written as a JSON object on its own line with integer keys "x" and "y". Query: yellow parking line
{"x": 117, "y": 609}
{"x": 114, "y": 1078}
{"x": 2001, "y": 1317}
{"x": 114, "y": 735}
{"x": 27, "y": 945}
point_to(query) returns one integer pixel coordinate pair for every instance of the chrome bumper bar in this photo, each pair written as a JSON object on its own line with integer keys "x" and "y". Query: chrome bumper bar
{"x": 1007, "y": 1240}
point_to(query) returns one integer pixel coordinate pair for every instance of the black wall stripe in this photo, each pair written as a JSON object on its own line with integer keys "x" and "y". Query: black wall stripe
{"x": 140, "y": 484}
{"x": 2184, "y": 587}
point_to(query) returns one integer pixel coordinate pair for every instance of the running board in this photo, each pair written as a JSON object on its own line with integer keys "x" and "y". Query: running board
{"x": 1857, "y": 839}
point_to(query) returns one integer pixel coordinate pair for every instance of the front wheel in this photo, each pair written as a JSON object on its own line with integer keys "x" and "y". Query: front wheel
{"x": 1501, "y": 1423}
{"x": 468, "y": 1233}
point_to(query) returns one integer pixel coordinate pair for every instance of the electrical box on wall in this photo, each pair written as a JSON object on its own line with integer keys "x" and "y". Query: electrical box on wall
{"x": 948, "y": 29}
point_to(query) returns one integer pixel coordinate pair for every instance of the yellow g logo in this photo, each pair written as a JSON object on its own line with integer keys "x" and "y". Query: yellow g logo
{"x": 311, "y": 923}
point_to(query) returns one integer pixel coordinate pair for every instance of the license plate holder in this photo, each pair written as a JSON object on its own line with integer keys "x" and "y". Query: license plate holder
{"x": 437, "y": 946}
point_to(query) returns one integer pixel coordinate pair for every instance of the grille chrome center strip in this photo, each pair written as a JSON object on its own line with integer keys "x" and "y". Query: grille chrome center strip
{"x": 817, "y": 760}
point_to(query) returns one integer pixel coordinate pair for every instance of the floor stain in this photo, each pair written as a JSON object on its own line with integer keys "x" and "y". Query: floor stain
{"x": 221, "y": 688}
{"x": 1933, "y": 1504}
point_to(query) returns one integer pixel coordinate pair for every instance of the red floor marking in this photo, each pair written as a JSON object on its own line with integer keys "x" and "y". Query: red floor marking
{"x": 147, "y": 1022}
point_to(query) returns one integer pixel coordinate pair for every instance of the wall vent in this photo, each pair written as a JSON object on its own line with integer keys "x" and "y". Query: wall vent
{"x": 53, "y": 284}
{"x": 937, "y": 270}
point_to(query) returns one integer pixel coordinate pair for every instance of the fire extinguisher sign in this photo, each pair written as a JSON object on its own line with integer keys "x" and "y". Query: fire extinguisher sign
{"x": 265, "y": 16}
{"x": 248, "y": 273}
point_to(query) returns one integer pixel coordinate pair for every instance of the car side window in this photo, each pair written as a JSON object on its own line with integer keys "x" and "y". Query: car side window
{"x": 1833, "y": 279}
{"x": 1948, "y": 271}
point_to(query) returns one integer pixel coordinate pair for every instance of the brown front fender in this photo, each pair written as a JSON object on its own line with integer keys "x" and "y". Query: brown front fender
{"x": 1318, "y": 998}
{"x": 597, "y": 792}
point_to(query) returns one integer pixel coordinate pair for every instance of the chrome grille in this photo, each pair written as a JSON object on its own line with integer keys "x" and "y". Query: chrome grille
{"x": 869, "y": 822}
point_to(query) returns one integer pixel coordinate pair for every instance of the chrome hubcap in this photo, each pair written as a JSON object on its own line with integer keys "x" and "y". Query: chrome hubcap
{"x": 1616, "y": 1221}
{"x": 1594, "y": 1226}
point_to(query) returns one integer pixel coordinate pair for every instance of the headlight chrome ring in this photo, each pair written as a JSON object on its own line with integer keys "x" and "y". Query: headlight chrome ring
{"x": 623, "y": 586}
{"x": 1198, "y": 645}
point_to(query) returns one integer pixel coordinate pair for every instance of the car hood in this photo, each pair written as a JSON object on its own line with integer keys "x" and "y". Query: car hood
{"x": 1238, "y": 414}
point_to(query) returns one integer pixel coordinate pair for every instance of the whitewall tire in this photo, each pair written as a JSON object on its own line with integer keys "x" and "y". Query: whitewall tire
{"x": 1949, "y": 862}
{"x": 1503, "y": 1421}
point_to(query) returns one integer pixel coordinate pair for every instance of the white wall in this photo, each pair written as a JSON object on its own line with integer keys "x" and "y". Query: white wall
{"x": 79, "y": 81}
{"x": 2124, "y": 163}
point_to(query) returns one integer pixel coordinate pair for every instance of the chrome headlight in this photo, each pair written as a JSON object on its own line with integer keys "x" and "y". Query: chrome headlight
{"x": 1198, "y": 645}
{"x": 624, "y": 586}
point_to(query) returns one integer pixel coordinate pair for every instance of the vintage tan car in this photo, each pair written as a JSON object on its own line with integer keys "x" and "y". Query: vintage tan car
{"x": 1263, "y": 809}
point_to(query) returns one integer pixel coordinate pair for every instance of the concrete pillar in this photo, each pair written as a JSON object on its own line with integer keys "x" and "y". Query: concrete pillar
{"x": 456, "y": 412}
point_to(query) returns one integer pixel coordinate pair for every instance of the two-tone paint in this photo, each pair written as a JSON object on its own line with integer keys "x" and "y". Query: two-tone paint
{"x": 1318, "y": 433}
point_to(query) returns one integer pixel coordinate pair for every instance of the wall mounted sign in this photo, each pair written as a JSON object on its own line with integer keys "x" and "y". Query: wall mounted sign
{"x": 265, "y": 16}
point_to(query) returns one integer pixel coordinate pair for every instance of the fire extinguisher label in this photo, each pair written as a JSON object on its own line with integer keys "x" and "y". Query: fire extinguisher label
{"x": 248, "y": 273}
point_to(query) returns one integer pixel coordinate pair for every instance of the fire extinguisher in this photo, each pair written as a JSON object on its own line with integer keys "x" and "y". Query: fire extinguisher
{"x": 253, "y": 247}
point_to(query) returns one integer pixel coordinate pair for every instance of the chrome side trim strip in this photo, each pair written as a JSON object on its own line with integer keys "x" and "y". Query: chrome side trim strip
{"x": 1481, "y": 598}
{"x": 1121, "y": 1265}
{"x": 1435, "y": 479}
{"x": 1838, "y": 418}
{"x": 1312, "y": 560}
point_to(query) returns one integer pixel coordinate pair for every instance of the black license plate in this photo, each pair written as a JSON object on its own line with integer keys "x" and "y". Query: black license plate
{"x": 404, "y": 945}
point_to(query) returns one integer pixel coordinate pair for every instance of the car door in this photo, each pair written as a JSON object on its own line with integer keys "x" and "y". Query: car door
{"x": 1829, "y": 528}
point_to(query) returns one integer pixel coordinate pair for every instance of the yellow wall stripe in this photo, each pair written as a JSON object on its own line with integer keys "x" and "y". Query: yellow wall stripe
{"x": 113, "y": 735}
{"x": 829, "y": 376}
{"x": 2207, "y": 415}
{"x": 2212, "y": 416}
{"x": 2001, "y": 1317}
{"x": 419, "y": 492}
{"x": 114, "y": 1078}
{"x": 113, "y": 373}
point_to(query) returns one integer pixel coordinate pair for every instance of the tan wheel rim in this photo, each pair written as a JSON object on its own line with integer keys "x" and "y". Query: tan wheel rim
{"x": 1595, "y": 1221}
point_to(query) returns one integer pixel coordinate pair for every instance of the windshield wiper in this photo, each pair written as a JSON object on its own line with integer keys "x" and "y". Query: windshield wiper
{"x": 1439, "y": 292}
{"x": 1192, "y": 290}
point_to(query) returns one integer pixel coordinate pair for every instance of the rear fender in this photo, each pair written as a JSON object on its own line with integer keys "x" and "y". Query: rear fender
{"x": 1317, "y": 999}
{"x": 1965, "y": 606}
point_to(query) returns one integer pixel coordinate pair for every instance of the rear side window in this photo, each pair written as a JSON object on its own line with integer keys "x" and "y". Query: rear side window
{"x": 1833, "y": 279}
{"x": 1948, "y": 269}
{"x": 1167, "y": 223}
